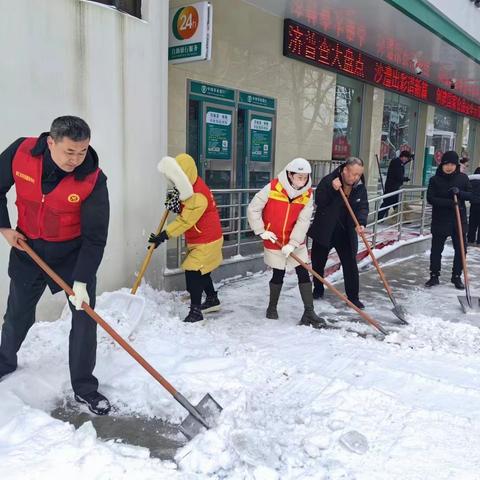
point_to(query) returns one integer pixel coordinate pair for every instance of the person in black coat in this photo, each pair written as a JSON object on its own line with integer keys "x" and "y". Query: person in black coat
{"x": 63, "y": 215}
{"x": 473, "y": 236}
{"x": 395, "y": 178}
{"x": 447, "y": 181}
{"x": 332, "y": 226}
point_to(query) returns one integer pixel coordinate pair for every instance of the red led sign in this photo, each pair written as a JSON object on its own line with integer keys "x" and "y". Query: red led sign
{"x": 308, "y": 45}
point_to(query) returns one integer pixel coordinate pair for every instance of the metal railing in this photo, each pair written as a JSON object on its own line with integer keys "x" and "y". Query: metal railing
{"x": 321, "y": 168}
{"x": 409, "y": 215}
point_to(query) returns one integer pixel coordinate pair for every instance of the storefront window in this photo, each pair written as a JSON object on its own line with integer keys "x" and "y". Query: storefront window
{"x": 444, "y": 131}
{"x": 348, "y": 116}
{"x": 399, "y": 130}
{"x": 473, "y": 137}
{"x": 444, "y": 139}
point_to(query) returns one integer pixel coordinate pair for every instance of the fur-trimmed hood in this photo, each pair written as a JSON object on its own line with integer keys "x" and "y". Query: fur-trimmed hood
{"x": 474, "y": 176}
{"x": 291, "y": 192}
{"x": 181, "y": 171}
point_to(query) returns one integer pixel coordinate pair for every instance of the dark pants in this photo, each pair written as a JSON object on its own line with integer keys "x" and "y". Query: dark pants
{"x": 342, "y": 245}
{"x": 20, "y": 316}
{"x": 474, "y": 224}
{"x": 302, "y": 275}
{"x": 438, "y": 243}
{"x": 197, "y": 284}
{"x": 387, "y": 203}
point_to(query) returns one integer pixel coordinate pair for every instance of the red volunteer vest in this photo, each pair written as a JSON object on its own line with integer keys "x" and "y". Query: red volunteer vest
{"x": 55, "y": 216}
{"x": 208, "y": 228}
{"x": 280, "y": 214}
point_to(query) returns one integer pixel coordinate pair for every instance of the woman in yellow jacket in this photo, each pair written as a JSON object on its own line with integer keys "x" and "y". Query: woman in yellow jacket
{"x": 199, "y": 221}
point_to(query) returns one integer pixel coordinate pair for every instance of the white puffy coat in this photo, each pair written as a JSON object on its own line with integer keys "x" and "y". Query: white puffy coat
{"x": 275, "y": 258}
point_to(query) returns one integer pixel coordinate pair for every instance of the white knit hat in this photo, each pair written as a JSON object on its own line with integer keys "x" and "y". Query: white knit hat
{"x": 299, "y": 165}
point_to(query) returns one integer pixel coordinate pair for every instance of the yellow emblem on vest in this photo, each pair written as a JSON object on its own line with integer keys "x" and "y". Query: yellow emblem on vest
{"x": 73, "y": 198}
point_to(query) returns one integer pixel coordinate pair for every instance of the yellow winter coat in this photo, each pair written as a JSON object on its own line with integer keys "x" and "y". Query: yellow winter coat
{"x": 183, "y": 172}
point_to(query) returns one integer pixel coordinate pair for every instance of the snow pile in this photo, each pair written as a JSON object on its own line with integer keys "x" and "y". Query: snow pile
{"x": 298, "y": 403}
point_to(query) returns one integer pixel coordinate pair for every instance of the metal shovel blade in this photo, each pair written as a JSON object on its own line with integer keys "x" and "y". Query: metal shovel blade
{"x": 472, "y": 306}
{"x": 400, "y": 313}
{"x": 208, "y": 409}
{"x": 124, "y": 307}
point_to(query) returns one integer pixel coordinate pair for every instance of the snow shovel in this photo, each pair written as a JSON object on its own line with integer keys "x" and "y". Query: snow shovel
{"x": 468, "y": 303}
{"x": 363, "y": 314}
{"x": 128, "y": 303}
{"x": 397, "y": 309}
{"x": 203, "y": 415}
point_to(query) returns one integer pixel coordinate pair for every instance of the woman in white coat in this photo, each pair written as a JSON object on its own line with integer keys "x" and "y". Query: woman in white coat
{"x": 280, "y": 213}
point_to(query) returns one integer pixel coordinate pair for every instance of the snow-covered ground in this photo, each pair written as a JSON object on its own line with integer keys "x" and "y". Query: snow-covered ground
{"x": 291, "y": 395}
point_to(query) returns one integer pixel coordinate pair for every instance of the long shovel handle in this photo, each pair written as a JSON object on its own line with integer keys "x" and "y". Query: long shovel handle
{"x": 369, "y": 249}
{"x": 95, "y": 316}
{"x": 148, "y": 256}
{"x": 380, "y": 174}
{"x": 462, "y": 248}
{"x": 364, "y": 315}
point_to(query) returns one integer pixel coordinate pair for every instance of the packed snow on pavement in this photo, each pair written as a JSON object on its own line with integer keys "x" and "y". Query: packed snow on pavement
{"x": 298, "y": 403}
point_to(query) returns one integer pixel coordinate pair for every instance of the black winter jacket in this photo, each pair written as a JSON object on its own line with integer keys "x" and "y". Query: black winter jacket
{"x": 395, "y": 175}
{"x": 475, "y": 183}
{"x": 438, "y": 195}
{"x": 331, "y": 210}
{"x": 76, "y": 259}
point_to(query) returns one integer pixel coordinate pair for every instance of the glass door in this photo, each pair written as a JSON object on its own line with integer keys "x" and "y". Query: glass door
{"x": 260, "y": 134}
{"x": 218, "y": 140}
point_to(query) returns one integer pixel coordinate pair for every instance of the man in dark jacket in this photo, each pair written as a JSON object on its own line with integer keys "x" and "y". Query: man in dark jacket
{"x": 395, "y": 178}
{"x": 474, "y": 219}
{"x": 63, "y": 215}
{"x": 333, "y": 227}
{"x": 446, "y": 182}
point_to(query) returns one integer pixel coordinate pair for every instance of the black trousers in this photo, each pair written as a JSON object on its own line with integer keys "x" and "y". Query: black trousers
{"x": 387, "y": 203}
{"x": 474, "y": 224}
{"x": 342, "y": 245}
{"x": 20, "y": 316}
{"x": 197, "y": 284}
{"x": 302, "y": 275}
{"x": 438, "y": 243}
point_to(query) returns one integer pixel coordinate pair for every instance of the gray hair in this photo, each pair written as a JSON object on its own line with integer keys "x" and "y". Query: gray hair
{"x": 354, "y": 161}
{"x": 71, "y": 127}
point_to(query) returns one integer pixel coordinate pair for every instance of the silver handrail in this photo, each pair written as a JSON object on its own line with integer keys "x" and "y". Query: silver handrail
{"x": 410, "y": 217}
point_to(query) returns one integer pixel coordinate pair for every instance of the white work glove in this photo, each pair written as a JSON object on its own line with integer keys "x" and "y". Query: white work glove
{"x": 288, "y": 249}
{"x": 81, "y": 295}
{"x": 268, "y": 235}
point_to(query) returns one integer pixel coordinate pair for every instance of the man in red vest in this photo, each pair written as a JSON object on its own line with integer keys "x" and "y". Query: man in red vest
{"x": 63, "y": 214}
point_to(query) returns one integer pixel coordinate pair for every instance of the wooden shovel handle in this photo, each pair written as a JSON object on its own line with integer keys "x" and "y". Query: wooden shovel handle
{"x": 462, "y": 245}
{"x": 95, "y": 316}
{"x": 364, "y": 315}
{"x": 367, "y": 245}
{"x": 148, "y": 256}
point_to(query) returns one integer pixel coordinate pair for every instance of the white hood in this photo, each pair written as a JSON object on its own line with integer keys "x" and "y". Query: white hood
{"x": 291, "y": 192}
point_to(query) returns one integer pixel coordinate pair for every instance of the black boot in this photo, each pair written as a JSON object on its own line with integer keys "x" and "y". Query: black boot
{"x": 309, "y": 316}
{"x": 275, "y": 289}
{"x": 211, "y": 304}
{"x": 433, "y": 280}
{"x": 195, "y": 314}
{"x": 358, "y": 303}
{"x": 457, "y": 281}
{"x": 96, "y": 402}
